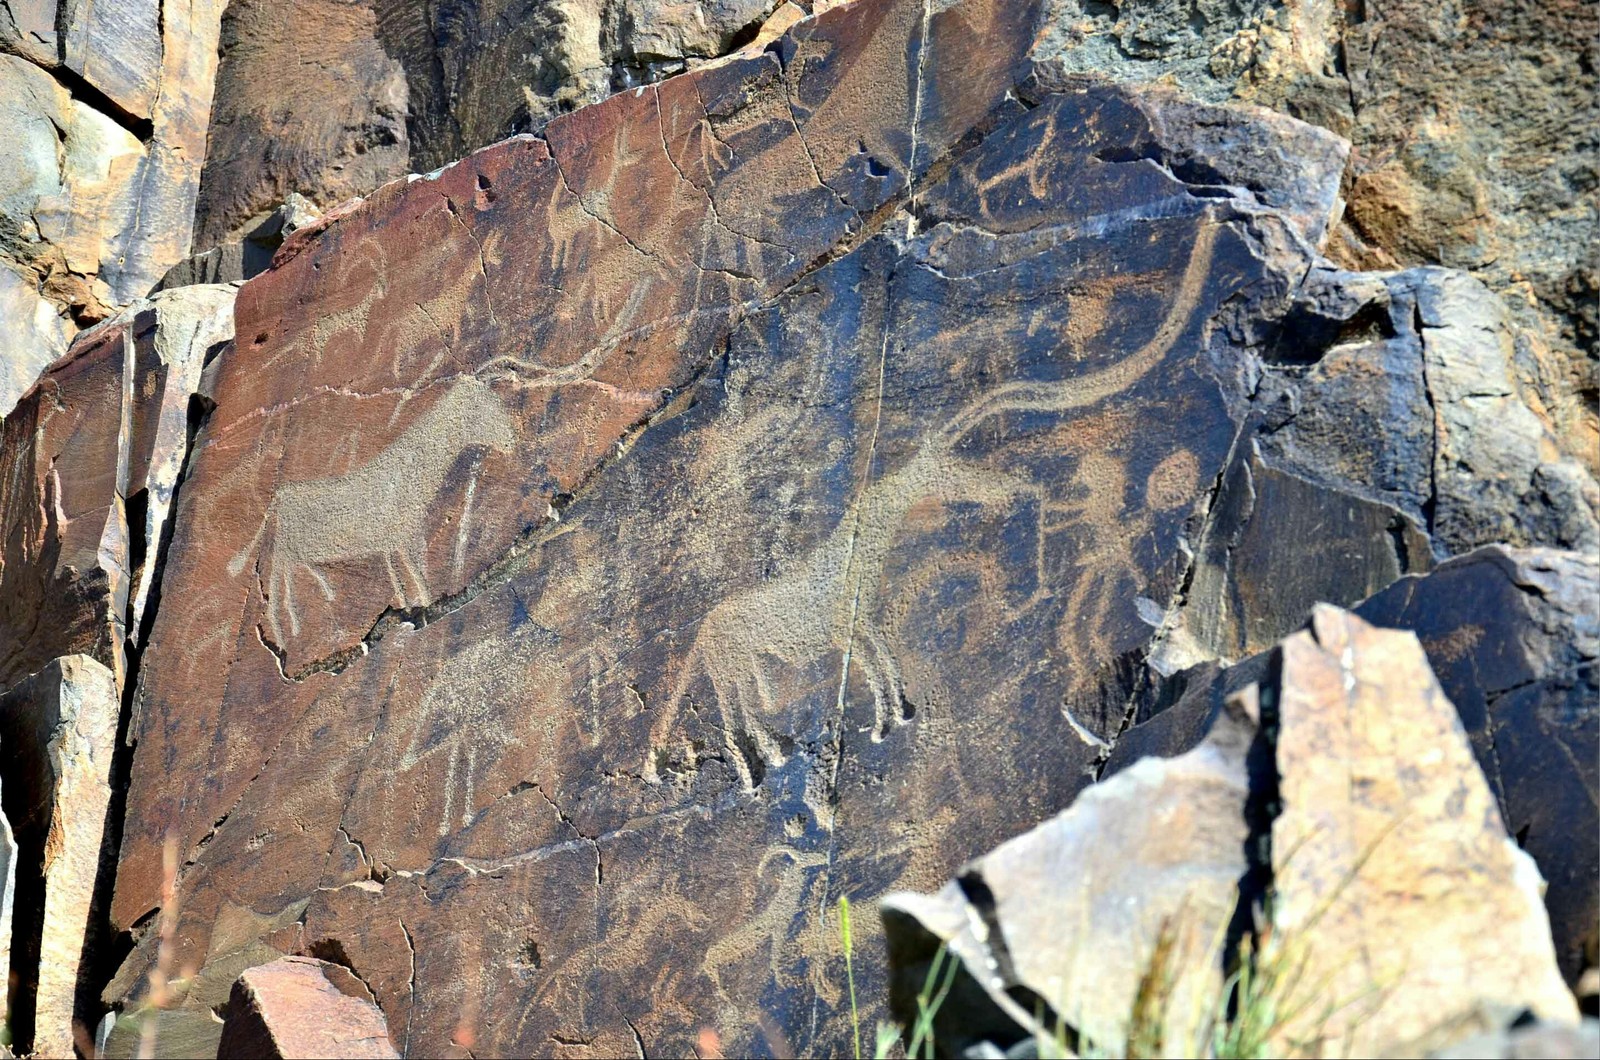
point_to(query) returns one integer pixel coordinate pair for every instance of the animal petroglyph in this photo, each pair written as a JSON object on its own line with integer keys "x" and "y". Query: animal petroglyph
{"x": 798, "y": 616}
{"x": 461, "y": 717}
{"x": 831, "y": 599}
{"x": 379, "y": 510}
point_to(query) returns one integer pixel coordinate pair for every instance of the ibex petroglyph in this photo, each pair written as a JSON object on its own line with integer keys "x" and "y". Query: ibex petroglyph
{"x": 380, "y": 509}
{"x": 830, "y": 599}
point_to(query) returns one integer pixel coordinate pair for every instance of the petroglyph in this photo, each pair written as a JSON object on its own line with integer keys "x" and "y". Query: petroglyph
{"x": 379, "y": 510}
{"x": 832, "y": 598}
{"x": 463, "y": 716}
{"x": 798, "y": 616}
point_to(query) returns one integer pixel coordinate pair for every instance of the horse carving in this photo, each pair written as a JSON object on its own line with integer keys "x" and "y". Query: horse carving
{"x": 380, "y": 509}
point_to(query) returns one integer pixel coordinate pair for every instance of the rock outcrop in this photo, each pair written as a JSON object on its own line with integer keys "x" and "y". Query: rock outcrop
{"x": 59, "y": 731}
{"x": 408, "y": 87}
{"x": 1473, "y": 130}
{"x": 1334, "y": 812}
{"x": 547, "y": 584}
{"x": 106, "y": 108}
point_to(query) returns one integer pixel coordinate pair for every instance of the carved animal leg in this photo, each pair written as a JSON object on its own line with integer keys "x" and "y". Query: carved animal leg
{"x": 394, "y": 581}
{"x": 288, "y": 599}
{"x": 327, "y": 590}
{"x": 410, "y": 570}
{"x": 883, "y": 678}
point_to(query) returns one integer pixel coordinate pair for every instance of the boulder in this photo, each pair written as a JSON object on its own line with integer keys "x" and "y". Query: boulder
{"x": 1332, "y": 829}
{"x": 59, "y": 730}
{"x": 1060, "y": 927}
{"x": 302, "y": 1007}
{"x": 1392, "y": 872}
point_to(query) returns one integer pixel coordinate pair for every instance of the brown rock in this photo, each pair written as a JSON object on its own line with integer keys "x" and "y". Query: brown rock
{"x": 1391, "y": 866}
{"x": 59, "y": 731}
{"x": 841, "y": 580}
{"x": 302, "y": 1007}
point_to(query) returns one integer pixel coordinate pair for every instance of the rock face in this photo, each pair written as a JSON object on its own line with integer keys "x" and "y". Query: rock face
{"x": 588, "y": 513}
{"x": 1473, "y": 132}
{"x": 59, "y": 729}
{"x": 303, "y": 1007}
{"x": 1390, "y": 861}
{"x": 1387, "y": 871}
{"x": 408, "y": 86}
{"x": 90, "y": 459}
{"x": 780, "y": 481}
{"x": 107, "y": 107}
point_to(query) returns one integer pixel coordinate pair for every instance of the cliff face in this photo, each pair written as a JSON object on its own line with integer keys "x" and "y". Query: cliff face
{"x": 106, "y": 109}
{"x": 556, "y": 579}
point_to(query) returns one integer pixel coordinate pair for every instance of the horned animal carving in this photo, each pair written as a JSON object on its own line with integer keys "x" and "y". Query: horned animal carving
{"x": 379, "y": 509}
{"x": 830, "y": 599}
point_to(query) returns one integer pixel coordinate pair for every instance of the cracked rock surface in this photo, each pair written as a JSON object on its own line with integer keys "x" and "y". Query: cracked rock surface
{"x": 547, "y": 584}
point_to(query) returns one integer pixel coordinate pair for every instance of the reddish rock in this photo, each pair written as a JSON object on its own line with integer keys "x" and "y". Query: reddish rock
{"x": 302, "y": 1007}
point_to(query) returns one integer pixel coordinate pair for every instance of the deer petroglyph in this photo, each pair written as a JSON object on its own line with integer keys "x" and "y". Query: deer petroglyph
{"x": 378, "y": 510}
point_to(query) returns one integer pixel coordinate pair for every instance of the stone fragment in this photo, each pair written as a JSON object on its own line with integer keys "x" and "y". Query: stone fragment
{"x": 249, "y": 253}
{"x": 59, "y": 729}
{"x": 1072, "y": 914}
{"x": 302, "y": 1007}
{"x": 35, "y": 336}
{"x": 1512, "y": 635}
{"x": 63, "y": 465}
{"x": 1391, "y": 866}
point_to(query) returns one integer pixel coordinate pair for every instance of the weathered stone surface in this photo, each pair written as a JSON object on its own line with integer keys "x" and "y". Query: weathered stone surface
{"x": 936, "y": 451}
{"x": 106, "y": 107}
{"x": 1074, "y": 912}
{"x": 58, "y": 728}
{"x": 8, "y": 889}
{"x": 1512, "y": 635}
{"x": 98, "y": 443}
{"x": 1535, "y": 1041}
{"x": 266, "y": 143}
{"x": 35, "y": 335}
{"x": 64, "y": 584}
{"x": 406, "y": 86}
{"x": 1473, "y": 129}
{"x": 248, "y": 254}
{"x": 1390, "y": 863}
{"x": 302, "y": 1007}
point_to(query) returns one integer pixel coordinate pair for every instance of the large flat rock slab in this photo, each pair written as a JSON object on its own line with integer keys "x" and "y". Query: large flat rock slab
{"x": 876, "y": 557}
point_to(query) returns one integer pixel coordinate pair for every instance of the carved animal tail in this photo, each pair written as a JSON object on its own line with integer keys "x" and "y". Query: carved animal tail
{"x": 236, "y": 564}
{"x": 1096, "y": 386}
